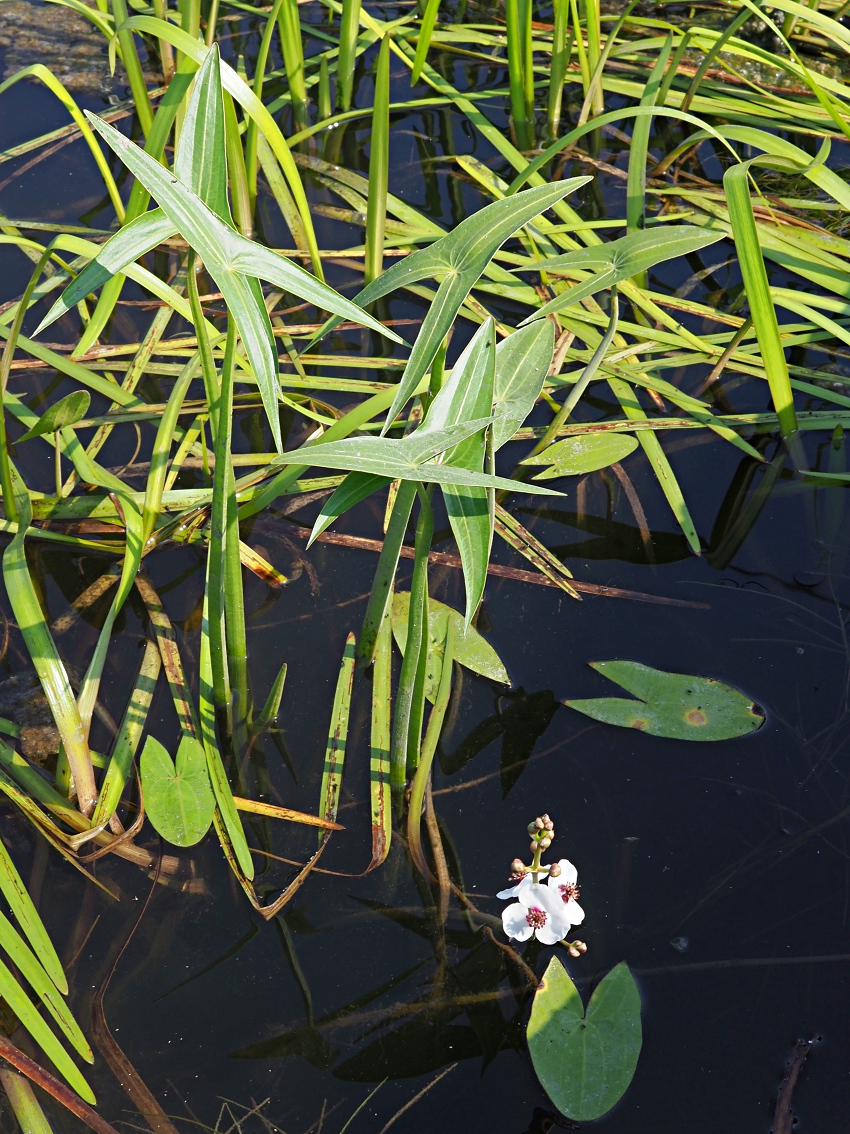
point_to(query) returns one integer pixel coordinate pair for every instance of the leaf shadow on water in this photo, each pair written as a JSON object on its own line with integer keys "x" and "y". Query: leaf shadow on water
{"x": 613, "y": 540}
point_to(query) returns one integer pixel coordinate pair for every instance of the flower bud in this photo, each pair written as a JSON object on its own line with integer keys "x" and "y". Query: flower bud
{"x": 549, "y": 826}
{"x": 538, "y": 824}
{"x": 517, "y": 866}
{"x": 532, "y": 828}
{"x": 573, "y": 951}
{"x": 533, "y": 846}
{"x": 545, "y": 843}
{"x": 579, "y": 946}
{"x": 554, "y": 870}
{"x": 546, "y": 820}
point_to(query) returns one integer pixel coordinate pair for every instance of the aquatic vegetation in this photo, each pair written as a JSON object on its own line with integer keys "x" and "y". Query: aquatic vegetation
{"x": 548, "y": 343}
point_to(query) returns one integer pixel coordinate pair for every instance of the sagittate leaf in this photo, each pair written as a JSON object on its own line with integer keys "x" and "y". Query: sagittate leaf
{"x": 458, "y": 260}
{"x": 466, "y": 396}
{"x": 470, "y": 649}
{"x": 621, "y": 259}
{"x": 178, "y": 796}
{"x": 585, "y": 1061}
{"x": 522, "y": 363}
{"x": 406, "y": 458}
{"x": 576, "y": 455}
{"x": 67, "y": 411}
{"x": 672, "y": 704}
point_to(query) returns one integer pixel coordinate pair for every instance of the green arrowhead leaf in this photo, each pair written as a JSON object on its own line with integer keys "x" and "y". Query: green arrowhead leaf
{"x": 67, "y": 411}
{"x": 675, "y": 705}
{"x": 470, "y": 649}
{"x": 620, "y": 259}
{"x": 585, "y": 1061}
{"x": 575, "y": 455}
{"x": 467, "y": 395}
{"x": 406, "y": 458}
{"x": 178, "y": 797}
{"x": 458, "y": 260}
{"x": 522, "y": 363}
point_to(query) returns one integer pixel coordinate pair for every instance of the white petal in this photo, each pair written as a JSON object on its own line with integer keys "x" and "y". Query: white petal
{"x": 552, "y": 902}
{"x": 509, "y": 893}
{"x": 552, "y": 932}
{"x": 573, "y": 913}
{"x": 515, "y": 922}
{"x": 568, "y": 875}
{"x": 533, "y": 894}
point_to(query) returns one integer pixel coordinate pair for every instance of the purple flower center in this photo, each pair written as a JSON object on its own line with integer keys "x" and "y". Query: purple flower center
{"x": 569, "y": 891}
{"x": 536, "y": 917}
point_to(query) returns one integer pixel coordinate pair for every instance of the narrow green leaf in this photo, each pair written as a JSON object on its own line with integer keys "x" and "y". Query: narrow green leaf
{"x": 379, "y": 756}
{"x": 128, "y": 244}
{"x": 45, "y": 657}
{"x": 29, "y": 1016}
{"x": 27, "y": 917}
{"x": 337, "y": 738}
{"x": 423, "y": 40}
{"x": 178, "y": 798}
{"x": 675, "y": 705}
{"x": 736, "y": 184}
{"x": 129, "y": 735}
{"x": 585, "y": 1061}
{"x": 356, "y": 487}
{"x": 32, "y": 971}
{"x": 379, "y": 168}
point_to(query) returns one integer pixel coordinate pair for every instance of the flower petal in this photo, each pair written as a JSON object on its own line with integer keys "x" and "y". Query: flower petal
{"x": 533, "y": 894}
{"x": 515, "y": 922}
{"x": 568, "y": 875}
{"x": 511, "y": 891}
{"x": 573, "y": 913}
{"x": 552, "y": 932}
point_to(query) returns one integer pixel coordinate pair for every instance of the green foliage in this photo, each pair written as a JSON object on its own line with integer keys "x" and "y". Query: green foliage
{"x": 676, "y": 705}
{"x": 178, "y": 798}
{"x": 585, "y": 1060}
{"x": 576, "y": 455}
{"x": 470, "y": 649}
{"x": 67, "y": 411}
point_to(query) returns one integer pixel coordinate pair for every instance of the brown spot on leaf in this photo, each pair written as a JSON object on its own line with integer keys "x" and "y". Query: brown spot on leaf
{"x": 696, "y": 717}
{"x": 639, "y": 723}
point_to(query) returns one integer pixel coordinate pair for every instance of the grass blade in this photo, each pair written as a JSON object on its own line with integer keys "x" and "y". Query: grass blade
{"x": 337, "y": 738}
{"x": 736, "y": 184}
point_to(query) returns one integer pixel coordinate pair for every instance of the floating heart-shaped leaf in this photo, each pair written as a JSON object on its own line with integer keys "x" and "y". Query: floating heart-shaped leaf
{"x": 178, "y": 796}
{"x": 585, "y": 1061}
{"x": 672, "y": 704}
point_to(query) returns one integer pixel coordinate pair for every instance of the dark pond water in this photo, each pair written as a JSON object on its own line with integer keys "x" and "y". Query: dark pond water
{"x": 719, "y": 872}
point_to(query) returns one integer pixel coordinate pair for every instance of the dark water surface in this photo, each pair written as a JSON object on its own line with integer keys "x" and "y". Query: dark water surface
{"x": 719, "y": 872}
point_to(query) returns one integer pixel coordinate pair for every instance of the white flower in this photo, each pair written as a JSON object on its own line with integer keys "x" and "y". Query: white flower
{"x": 566, "y": 888}
{"x": 512, "y": 891}
{"x": 539, "y": 912}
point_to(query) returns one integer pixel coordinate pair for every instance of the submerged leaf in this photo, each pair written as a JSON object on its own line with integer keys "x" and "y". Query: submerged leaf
{"x": 675, "y": 705}
{"x": 470, "y": 649}
{"x": 178, "y": 796}
{"x": 576, "y": 455}
{"x": 585, "y": 1061}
